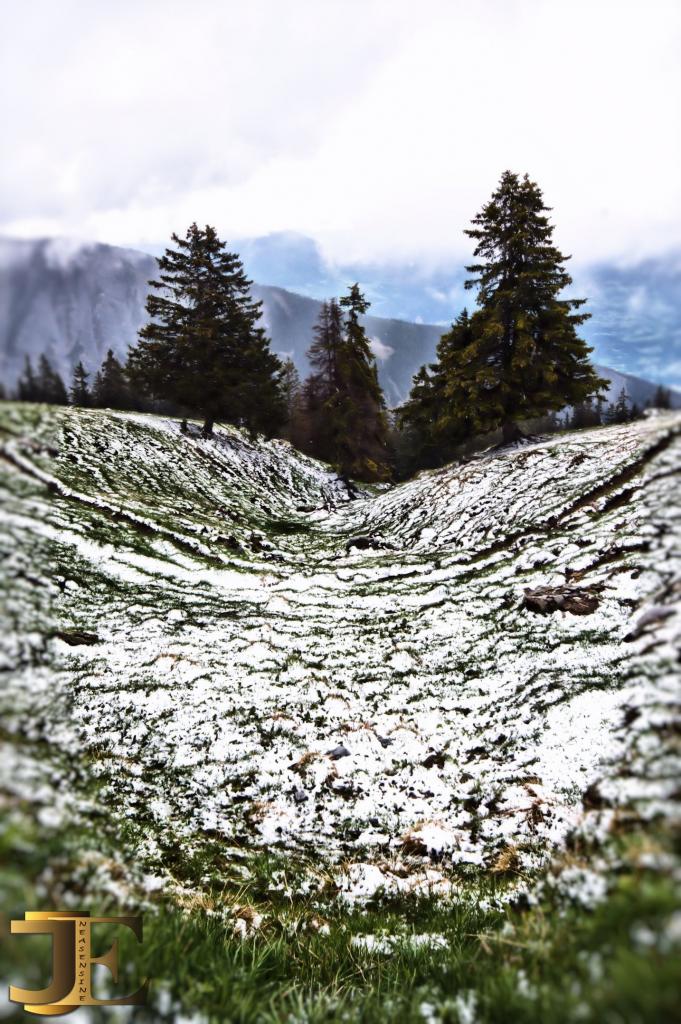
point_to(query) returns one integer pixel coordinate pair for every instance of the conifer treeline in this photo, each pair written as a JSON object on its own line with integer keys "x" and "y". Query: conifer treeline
{"x": 204, "y": 350}
{"x": 110, "y": 388}
{"x": 516, "y": 361}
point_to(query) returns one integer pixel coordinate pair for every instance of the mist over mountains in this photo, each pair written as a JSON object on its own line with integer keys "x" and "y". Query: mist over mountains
{"x": 74, "y": 301}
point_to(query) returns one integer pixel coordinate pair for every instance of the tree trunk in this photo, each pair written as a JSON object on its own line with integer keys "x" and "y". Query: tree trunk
{"x": 511, "y": 431}
{"x": 208, "y": 427}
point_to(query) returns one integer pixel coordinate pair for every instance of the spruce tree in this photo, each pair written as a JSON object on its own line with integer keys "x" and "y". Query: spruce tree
{"x": 203, "y": 348}
{"x": 585, "y": 414}
{"x": 620, "y": 412}
{"x": 96, "y": 392}
{"x": 304, "y": 430}
{"x": 291, "y": 391}
{"x": 323, "y": 394}
{"x": 27, "y": 388}
{"x": 662, "y": 398}
{"x": 363, "y": 448}
{"x": 290, "y": 386}
{"x": 50, "y": 386}
{"x": 80, "y": 392}
{"x": 343, "y": 398}
{"x": 518, "y": 357}
{"x": 442, "y": 409}
{"x": 416, "y": 422}
{"x": 110, "y": 388}
{"x": 527, "y": 358}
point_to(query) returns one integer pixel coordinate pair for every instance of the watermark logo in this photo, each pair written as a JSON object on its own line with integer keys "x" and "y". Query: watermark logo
{"x": 72, "y": 960}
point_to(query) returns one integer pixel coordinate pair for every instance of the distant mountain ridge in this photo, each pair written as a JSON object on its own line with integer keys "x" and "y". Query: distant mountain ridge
{"x": 73, "y": 301}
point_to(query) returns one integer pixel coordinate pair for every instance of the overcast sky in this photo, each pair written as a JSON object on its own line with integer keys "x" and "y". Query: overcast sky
{"x": 378, "y": 127}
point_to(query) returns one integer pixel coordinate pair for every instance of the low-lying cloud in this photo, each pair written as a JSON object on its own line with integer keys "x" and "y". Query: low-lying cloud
{"x": 379, "y": 128}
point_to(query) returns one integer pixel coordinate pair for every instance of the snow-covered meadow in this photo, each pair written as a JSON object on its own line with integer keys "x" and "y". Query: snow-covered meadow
{"x": 214, "y": 640}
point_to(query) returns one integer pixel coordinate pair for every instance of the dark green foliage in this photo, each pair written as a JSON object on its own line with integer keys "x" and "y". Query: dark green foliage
{"x": 439, "y": 413}
{"x": 662, "y": 399}
{"x": 323, "y": 390}
{"x": 586, "y": 414}
{"x": 364, "y": 441}
{"x": 548, "y": 424}
{"x": 50, "y": 384}
{"x": 43, "y": 385}
{"x": 27, "y": 388}
{"x": 528, "y": 358}
{"x": 110, "y": 389}
{"x": 518, "y": 357}
{"x": 343, "y": 401}
{"x": 291, "y": 390}
{"x": 620, "y": 411}
{"x": 80, "y": 392}
{"x": 202, "y": 349}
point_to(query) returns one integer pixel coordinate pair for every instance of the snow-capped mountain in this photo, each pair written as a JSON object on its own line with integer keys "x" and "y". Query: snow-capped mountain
{"x": 73, "y": 301}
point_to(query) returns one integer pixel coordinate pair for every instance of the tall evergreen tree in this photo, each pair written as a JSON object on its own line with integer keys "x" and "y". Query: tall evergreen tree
{"x": 41, "y": 385}
{"x": 343, "y": 398}
{"x": 49, "y": 384}
{"x": 620, "y": 412}
{"x": 27, "y": 387}
{"x": 442, "y": 407}
{"x": 323, "y": 394}
{"x": 585, "y": 414}
{"x": 110, "y": 389}
{"x": 364, "y": 439}
{"x": 662, "y": 398}
{"x": 325, "y": 351}
{"x": 518, "y": 357}
{"x": 203, "y": 348}
{"x": 292, "y": 396}
{"x": 304, "y": 430}
{"x": 527, "y": 357}
{"x": 80, "y": 392}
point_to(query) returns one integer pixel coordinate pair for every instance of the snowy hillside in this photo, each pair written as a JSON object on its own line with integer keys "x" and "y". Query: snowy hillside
{"x": 74, "y": 301}
{"x": 475, "y": 665}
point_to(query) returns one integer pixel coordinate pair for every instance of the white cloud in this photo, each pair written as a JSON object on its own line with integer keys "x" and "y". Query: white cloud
{"x": 378, "y": 127}
{"x": 380, "y": 349}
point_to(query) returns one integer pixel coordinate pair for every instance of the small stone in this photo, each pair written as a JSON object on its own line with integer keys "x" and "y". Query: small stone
{"x": 338, "y": 752}
{"x": 363, "y": 543}
{"x": 578, "y": 600}
{"x": 76, "y": 637}
{"x": 434, "y": 760}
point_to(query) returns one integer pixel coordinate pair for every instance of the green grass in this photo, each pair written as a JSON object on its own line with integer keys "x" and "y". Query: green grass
{"x": 549, "y": 962}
